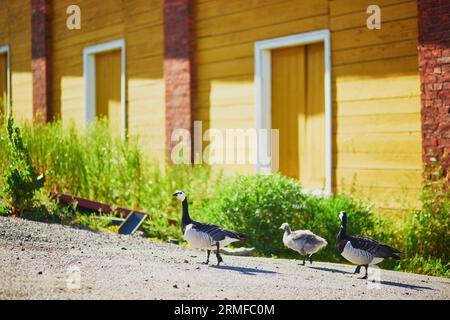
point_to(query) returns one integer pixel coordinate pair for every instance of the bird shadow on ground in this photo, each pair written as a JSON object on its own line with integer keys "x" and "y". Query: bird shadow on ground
{"x": 387, "y": 283}
{"x": 247, "y": 271}
{"x": 406, "y": 286}
{"x": 330, "y": 270}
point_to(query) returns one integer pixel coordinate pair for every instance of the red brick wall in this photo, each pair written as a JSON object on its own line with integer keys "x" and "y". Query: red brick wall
{"x": 178, "y": 66}
{"x": 434, "y": 65}
{"x": 40, "y": 65}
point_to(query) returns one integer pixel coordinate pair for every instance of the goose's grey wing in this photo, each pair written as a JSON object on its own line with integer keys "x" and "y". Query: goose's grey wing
{"x": 303, "y": 235}
{"x": 307, "y": 237}
{"x": 217, "y": 233}
{"x": 300, "y": 234}
{"x": 374, "y": 247}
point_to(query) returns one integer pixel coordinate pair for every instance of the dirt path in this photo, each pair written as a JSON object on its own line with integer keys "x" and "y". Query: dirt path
{"x": 46, "y": 261}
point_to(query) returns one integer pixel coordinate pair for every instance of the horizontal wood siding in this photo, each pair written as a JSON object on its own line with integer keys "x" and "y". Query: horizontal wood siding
{"x": 139, "y": 22}
{"x": 226, "y": 32}
{"x": 15, "y": 30}
{"x": 375, "y": 81}
{"x": 376, "y": 90}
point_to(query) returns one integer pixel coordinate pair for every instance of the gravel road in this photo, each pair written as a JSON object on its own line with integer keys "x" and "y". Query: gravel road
{"x": 49, "y": 261}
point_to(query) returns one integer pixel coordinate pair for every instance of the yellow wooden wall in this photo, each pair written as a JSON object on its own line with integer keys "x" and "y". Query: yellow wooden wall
{"x": 15, "y": 30}
{"x": 377, "y": 102}
{"x": 225, "y": 36}
{"x": 375, "y": 80}
{"x": 139, "y": 22}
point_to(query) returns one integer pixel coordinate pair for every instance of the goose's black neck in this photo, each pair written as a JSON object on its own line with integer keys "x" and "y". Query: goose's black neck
{"x": 185, "y": 219}
{"x": 343, "y": 230}
{"x": 342, "y": 236}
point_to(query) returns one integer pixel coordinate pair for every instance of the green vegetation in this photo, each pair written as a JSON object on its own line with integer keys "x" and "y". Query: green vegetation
{"x": 426, "y": 237}
{"x": 19, "y": 177}
{"x": 259, "y": 204}
{"x": 98, "y": 165}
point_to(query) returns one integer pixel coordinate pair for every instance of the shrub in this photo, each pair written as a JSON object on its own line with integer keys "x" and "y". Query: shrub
{"x": 259, "y": 204}
{"x": 19, "y": 178}
{"x": 426, "y": 237}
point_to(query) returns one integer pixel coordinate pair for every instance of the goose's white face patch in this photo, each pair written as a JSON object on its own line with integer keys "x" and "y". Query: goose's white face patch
{"x": 341, "y": 216}
{"x": 180, "y": 195}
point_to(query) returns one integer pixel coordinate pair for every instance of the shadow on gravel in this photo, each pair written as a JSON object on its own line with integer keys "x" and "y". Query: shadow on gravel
{"x": 406, "y": 286}
{"x": 247, "y": 271}
{"x": 330, "y": 270}
{"x": 387, "y": 283}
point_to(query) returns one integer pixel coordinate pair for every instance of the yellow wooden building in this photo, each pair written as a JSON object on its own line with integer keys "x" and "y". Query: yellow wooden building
{"x": 346, "y": 98}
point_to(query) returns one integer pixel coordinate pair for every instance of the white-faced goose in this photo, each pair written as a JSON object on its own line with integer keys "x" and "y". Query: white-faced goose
{"x": 205, "y": 236}
{"x": 362, "y": 251}
{"x": 303, "y": 241}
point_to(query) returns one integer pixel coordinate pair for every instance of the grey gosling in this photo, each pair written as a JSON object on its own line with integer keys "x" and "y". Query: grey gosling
{"x": 303, "y": 241}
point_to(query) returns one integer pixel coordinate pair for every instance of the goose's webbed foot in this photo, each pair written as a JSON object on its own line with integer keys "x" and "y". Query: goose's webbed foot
{"x": 366, "y": 274}
{"x": 219, "y": 257}
{"x": 208, "y": 252}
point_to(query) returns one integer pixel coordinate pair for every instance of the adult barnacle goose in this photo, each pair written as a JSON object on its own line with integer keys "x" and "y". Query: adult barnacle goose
{"x": 303, "y": 241}
{"x": 205, "y": 235}
{"x": 362, "y": 251}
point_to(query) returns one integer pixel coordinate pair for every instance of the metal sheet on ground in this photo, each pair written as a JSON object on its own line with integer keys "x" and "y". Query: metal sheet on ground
{"x": 132, "y": 223}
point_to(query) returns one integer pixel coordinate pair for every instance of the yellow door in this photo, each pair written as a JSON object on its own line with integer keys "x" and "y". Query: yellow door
{"x": 107, "y": 88}
{"x": 3, "y": 84}
{"x": 298, "y": 111}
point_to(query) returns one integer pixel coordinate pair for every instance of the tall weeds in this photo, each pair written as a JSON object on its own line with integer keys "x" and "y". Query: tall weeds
{"x": 100, "y": 166}
{"x": 426, "y": 234}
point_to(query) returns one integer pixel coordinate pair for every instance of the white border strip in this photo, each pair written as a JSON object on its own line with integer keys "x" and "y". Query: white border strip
{"x": 263, "y": 77}
{"x": 6, "y": 49}
{"x": 89, "y": 79}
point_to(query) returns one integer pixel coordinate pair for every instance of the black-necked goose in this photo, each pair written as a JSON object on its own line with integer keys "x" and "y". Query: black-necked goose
{"x": 362, "y": 251}
{"x": 303, "y": 241}
{"x": 205, "y": 235}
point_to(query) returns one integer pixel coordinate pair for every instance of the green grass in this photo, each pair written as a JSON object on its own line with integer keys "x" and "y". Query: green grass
{"x": 98, "y": 165}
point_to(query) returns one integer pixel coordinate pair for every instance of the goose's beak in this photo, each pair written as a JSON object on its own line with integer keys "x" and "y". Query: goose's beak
{"x": 174, "y": 195}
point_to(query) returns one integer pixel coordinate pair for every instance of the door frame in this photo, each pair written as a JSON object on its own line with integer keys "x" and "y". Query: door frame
{"x": 7, "y": 49}
{"x": 263, "y": 79}
{"x": 89, "y": 74}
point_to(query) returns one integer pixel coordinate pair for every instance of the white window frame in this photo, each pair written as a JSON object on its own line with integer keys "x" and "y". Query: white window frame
{"x": 89, "y": 74}
{"x": 7, "y": 49}
{"x": 263, "y": 70}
